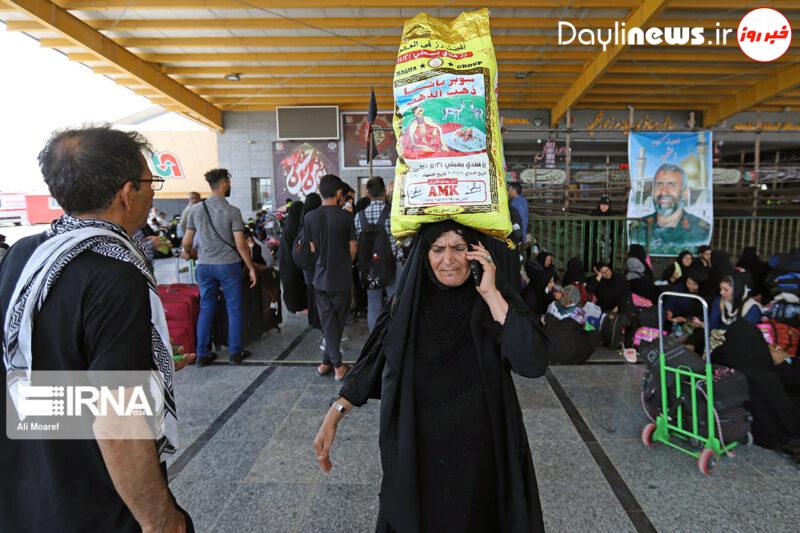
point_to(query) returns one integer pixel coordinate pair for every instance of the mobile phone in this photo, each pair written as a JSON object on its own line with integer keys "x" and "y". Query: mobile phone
{"x": 477, "y": 271}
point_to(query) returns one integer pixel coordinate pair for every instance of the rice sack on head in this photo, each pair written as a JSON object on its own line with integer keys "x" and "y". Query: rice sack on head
{"x": 450, "y": 151}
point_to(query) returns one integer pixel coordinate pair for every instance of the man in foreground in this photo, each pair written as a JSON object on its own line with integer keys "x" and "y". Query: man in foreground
{"x": 90, "y": 303}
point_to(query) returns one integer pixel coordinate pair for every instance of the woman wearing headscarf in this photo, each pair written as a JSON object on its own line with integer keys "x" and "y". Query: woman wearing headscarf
{"x": 313, "y": 201}
{"x": 543, "y": 262}
{"x": 454, "y": 451}
{"x": 676, "y": 270}
{"x": 758, "y": 269}
{"x": 540, "y": 292}
{"x": 640, "y": 279}
{"x": 574, "y": 273}
{"x": 733, "y": 303}
{"x": 563, "y": 324}
{"x": 609, "y": 287}
{"x": 292, "y": 281}
{"x": 719, "y": 267}
{"x": 683, "y": 310}
{"x": 776, "y": 413}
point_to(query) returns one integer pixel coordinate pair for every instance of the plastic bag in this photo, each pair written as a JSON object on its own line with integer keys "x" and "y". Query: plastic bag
{"x": 450, "y": 149}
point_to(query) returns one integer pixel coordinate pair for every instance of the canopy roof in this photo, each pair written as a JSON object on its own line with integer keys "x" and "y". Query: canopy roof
{"x": 179, "y": 52}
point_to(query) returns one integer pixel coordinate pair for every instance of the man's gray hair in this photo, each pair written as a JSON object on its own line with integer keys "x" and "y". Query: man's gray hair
{"x": 669, "y": 167}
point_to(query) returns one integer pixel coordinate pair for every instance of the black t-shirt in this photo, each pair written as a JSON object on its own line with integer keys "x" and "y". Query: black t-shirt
{"x": 96, "y": 316}
{"x": 331, "y": 229}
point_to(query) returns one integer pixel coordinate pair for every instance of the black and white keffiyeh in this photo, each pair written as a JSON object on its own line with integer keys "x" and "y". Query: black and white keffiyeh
{"x": 67, "y": 238}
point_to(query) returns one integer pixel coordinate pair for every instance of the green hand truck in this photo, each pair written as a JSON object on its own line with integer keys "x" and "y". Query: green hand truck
{"x": 677, "y": 425}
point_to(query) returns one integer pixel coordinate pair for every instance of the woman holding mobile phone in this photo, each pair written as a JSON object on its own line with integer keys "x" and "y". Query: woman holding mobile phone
{"x": 454, "y": 450}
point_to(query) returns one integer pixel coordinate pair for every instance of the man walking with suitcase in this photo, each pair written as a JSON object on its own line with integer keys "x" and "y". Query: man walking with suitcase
{"x": 221, "y": 229}
{"x": 331, "y": 233}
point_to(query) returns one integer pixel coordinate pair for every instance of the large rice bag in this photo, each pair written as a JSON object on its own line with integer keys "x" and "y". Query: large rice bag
{"x": 450, "y": 151}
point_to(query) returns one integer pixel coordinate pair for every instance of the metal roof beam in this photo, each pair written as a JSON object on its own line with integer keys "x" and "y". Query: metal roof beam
{"x": 298, "y": 42}
{"x": 281, "y": 23}
{"x": 78, "y": 33}
{"x": 646, "y": 11}
{"x": 293, "y": 4}
{"x": 783, "y": 81}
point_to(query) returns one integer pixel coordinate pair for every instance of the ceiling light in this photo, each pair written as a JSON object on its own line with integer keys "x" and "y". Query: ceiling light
{"x": 232, "y": 76}
{"x": 521, "y": 75}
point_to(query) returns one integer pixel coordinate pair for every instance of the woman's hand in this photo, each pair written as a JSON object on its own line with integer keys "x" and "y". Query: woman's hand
{"x": 488, "y": 287}
{"x": 597, "y": 274}
{"x": 327, "y": 434}
{"x": 697, "y": 322}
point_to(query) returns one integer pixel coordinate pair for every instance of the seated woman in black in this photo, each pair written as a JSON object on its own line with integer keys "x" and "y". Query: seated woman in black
{"x": 610, "y": 288}
{"x": 683, "y": 310}
{"x": 540, "y": 292}
{"x": 639, "y": 281}
{"x": 574, "y": 273}
{"x": 564, "y": 325}
{"x": 758, "y": 269}
{"x": 776, "y": 412}
{"x": 542, "y": 263}
{"x": 454, "y": 450}
{"x": 676, "y": 270}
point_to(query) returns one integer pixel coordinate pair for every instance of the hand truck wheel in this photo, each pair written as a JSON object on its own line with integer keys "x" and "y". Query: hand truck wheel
{"x": 707, "y": 461}
{"x": 647, "y": 434}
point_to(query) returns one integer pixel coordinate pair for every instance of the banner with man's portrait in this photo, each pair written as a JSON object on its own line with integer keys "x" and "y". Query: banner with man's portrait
{"x": 671, "y": 194}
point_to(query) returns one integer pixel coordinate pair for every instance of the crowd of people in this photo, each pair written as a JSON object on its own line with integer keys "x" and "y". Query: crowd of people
{"x": 449, "y": 315}
{"x": 738, "y": 299}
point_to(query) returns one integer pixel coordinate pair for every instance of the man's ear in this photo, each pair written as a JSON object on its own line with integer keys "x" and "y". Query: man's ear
{"x": 126, "y": 194}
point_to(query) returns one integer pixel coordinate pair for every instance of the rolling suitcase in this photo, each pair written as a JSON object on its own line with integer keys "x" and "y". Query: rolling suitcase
{"x": 181, "y": 335}
{"x": 251, "y": 316}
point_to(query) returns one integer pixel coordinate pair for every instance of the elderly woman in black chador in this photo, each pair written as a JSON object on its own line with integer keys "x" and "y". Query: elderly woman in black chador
{"x": 454, "y": 451}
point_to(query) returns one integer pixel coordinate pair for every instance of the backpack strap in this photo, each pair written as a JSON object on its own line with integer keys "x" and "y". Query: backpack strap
{"x": 363, "y": 218}
{"x": 381, "y": 223}
{"x": 211, "y": 221}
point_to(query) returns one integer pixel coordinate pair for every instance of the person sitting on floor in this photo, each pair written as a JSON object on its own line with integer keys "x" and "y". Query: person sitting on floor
{"x": 676, "y": 270}
{"x": 733, "y": 303}
{"x": 639, "y": 281}
{"x": 774, "y": 402}
{"x": 609, "y": 287}
{"x": 683, "y": 310}
{"x": 540, "y": 292}
{"x": 758, "y": 269}
{"x": 563, "y": 324}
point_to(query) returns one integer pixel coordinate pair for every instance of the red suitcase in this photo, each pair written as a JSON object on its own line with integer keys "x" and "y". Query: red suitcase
{"x": 181, "y": 334}
{"x": 192, "y": 303}
{"x": 178, "y": 310}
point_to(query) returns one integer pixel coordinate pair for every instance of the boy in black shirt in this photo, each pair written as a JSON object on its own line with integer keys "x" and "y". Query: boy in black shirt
{"x": 332, "y": 236}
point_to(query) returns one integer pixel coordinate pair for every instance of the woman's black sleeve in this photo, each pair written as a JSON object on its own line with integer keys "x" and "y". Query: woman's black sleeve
{"x": 523, "y": 343}
{"x": 364, "y": 380}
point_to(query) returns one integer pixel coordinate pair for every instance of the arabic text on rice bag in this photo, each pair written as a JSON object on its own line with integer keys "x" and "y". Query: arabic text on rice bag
{"x": 450, "y": 150}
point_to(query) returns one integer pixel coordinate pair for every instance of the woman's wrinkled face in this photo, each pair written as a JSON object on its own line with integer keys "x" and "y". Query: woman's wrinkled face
{"x": 687, "y": 260}
{"x": 448, "y": 259}
{"x": 692, "y": 285}
{"x": 726, "y": 291}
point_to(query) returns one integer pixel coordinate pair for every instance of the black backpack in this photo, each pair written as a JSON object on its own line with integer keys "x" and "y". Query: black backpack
{"x": 376, "y": 262}
{"x": 302, "y": 255}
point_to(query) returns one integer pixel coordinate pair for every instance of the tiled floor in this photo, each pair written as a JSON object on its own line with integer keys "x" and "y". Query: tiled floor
{"x": 247, "y": 463}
